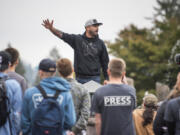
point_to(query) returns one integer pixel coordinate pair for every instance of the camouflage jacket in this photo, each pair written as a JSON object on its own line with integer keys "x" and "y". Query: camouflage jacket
{"x": 81, "y": 100}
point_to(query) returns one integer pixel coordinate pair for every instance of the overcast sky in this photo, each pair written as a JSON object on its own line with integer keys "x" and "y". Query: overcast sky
{"x": 20, "y": 22}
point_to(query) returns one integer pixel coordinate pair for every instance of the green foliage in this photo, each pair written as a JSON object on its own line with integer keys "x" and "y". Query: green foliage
{"x": 168, "y": 8}
{"x": 149, "y": 53}
{"x": 136, "y": 47}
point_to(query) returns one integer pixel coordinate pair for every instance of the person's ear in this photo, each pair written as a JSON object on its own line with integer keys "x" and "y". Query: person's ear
{"x": 17, "y": 62}
{"x": 123, "y": 74}
{"x": 9, "y": 65}
{"x": 40, "y": 73}
{"x": 108, "y": 72}
{"x": 87, "y": 28}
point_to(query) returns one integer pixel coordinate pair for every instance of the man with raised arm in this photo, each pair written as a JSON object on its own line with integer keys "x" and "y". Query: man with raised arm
{"x": 90, "y": 53}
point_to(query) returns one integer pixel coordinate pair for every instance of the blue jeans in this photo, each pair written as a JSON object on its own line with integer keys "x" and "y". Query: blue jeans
{"x": 83, "y": 80}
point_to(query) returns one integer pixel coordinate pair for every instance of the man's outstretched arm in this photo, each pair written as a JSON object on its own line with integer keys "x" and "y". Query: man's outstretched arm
{"x": 49, "y": 25}
{"x": 68, "y": 38}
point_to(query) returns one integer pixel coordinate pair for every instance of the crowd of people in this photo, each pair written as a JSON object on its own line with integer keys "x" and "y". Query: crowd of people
{"x": 61, "y": 105}
{"x": 114, "y": 104}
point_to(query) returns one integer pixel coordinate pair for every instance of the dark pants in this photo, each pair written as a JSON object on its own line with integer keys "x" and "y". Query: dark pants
{"x": 83, "y": 80}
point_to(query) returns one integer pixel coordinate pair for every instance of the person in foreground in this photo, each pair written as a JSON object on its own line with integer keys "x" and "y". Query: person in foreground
{"x": 172, "y": 111}
{"x": 12, "y": 70}
{"x": 114, "y": 103}
{"x": 80, "y": 96}
{"x": 10, "y": 99}
{"x": 51, "y": 85}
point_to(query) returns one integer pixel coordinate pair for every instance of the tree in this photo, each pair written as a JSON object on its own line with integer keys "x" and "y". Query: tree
{"x": 149, "y": 53}
{"x": 167, "y": 27}
{"x": 168, "y": 9}
{"x": 136, "y": 47}
{"x": 54, "y": 54}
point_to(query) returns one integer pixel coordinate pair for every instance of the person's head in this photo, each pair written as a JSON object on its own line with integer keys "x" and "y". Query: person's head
{"x": 5, "y": 60}
{"x": 92, "y": 27}
{"x": 116, "y": 68}
{"x": 47, "y": 68}
{"x": 150, "y": 100}
{"x": 150, "y": 105}
{"x": 14, "y": 56}
{"x": 64, "y": 67}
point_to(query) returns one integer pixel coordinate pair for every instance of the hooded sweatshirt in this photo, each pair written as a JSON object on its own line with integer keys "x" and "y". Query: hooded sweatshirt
{"x": 138, "y": 119}
{"x": 90, "y": 54}
{"x": 33, "y": 97}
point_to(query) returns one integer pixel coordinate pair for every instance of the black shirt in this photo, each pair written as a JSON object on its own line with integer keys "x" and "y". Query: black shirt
{"x": 90, "y": 54}
{"x": 172, "y": 116}
{"x": 115, "y": 103}
{"x": 159, "y": 122}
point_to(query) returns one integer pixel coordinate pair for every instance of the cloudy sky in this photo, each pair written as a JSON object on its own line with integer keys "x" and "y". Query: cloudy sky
{"x": 20, "y": 22}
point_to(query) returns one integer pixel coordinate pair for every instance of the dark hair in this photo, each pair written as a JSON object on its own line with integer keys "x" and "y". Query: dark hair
{"x": 148, "y": 114}
{"x": 14, "y": 54}
{"x": 3, "y": 68}
{"x": 6, "y": 60}
{"x": 64, "y": 67}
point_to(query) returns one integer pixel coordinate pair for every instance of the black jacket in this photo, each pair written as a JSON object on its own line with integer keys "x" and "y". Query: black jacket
{"x": 159, "y": 121}
{"x": 90, "y": 54}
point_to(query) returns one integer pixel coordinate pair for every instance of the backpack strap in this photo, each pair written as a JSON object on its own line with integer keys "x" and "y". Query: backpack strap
{"x": 56, "y": 95}
{"x": 42, "y": 91}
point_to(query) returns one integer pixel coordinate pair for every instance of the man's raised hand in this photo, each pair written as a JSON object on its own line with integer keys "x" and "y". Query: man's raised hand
{"x": 47, "y": 24}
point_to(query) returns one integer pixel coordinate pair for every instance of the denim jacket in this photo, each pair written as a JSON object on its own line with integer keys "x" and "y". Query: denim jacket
{"x": 14, "y": 94}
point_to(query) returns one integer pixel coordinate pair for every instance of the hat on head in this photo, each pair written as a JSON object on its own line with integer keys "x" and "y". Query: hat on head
{"x": 150, "y": 99}
{"x": 5, "y": 60}
{"x": 92, "y": 22}
{"x": 47, "y": 65}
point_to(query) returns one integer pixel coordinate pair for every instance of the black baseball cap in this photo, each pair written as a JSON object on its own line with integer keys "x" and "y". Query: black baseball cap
{"x": 5, "y": 60}
{"x": 47, "y": 65}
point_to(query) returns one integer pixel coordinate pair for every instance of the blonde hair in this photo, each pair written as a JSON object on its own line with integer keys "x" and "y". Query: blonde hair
{"x": 117, "y": 66}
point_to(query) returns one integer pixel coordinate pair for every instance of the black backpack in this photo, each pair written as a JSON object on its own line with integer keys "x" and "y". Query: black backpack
{"x": 4, "y": 112}
{"x": 4, "y": 102}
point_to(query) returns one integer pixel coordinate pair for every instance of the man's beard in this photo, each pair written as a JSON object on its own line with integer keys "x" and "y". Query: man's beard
{"x": 93, "y": 33}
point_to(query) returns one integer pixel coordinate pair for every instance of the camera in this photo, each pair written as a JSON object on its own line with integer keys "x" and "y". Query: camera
{"x": 177, "y": 59}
